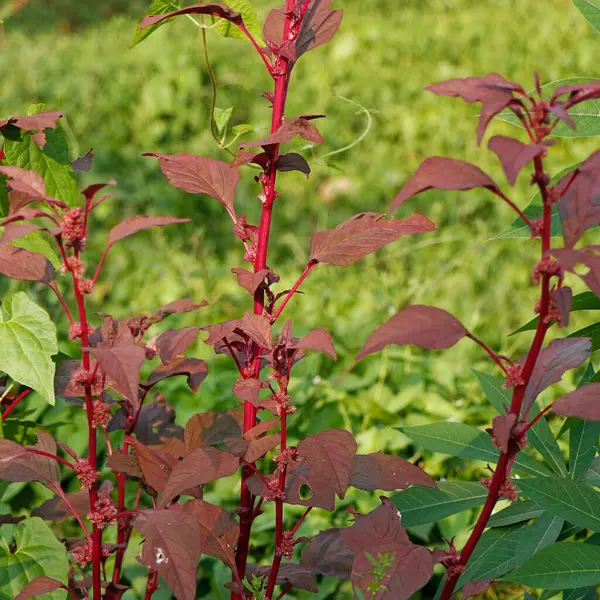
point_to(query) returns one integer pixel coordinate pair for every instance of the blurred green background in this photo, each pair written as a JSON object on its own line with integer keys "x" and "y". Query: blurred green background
{"x": 74, "y": 55}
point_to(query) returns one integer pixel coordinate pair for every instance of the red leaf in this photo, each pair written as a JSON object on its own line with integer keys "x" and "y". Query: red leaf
{"x": 418, "y": 325}
{"x": 127, "y": 464}
{"x": 38, "y": 586}
{"x": 18, "y": 263}
{"x": 56, "y": 509}
{"x": 46, "y": 119}
{"x": 564, "y": 300}
{"x": 14, "y": 231}
{"x": 569, "y": 259}
{"x": 328, "y": 555}
{"x": 514, "y": 155}
{"x": 289, "y": 573}
{"x": 252, "y": 450}
{"x": 475, "y": 587}
{"x": 25, "y": 181}
{"x": 258, "y": 329}
{"x": 493, "y": 91}
{"x": 174, "y": 342}
{"x": 583, "y": 403}
{"x": 156, "y": 466}
{"x": 172, "y": 547}
{"x": 293, "y": 162}
{"x": 211, "y": 428}
{"x": 380, "y": 471}
{"x": 317, "y": 339}
{"x": 201, "y": 466}
{"x": 83, "y": 164}
{"x": 287, "y": 132}
{"x": 201, "y": 175}
{"x": 578, "y": 208}
{"x": 216, "y": 9}
{"x": 250, "y": 281}
{"x": 194, "y": 368}
{"x": 443, "y": 173}
{"x": 576, "y": 93}
{"x": 502, "y": 430}
{"x": 361, "y": 235}
{"x": 122, "y": 365}
{"x": 183, "y": 305}
{"x": 132, "y": 225}
{"x": 552, "y": 363}
{"x": 247, "y": 390}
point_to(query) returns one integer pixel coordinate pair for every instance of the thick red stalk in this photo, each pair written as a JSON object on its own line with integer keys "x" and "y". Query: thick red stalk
{"x": 505, "y": 461}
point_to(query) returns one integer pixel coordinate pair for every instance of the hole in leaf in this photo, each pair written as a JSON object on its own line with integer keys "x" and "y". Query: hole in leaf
{"x": 305, "y": 492}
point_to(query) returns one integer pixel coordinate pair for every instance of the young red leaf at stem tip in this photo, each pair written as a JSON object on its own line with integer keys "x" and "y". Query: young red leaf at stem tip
{"x": 514, "y": 155}
{"x": 39, "y": 586}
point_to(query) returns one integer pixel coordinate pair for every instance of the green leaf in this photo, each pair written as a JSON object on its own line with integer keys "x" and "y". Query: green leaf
{"x": 590, "y": 9}
{"x": 3, "y": 197}
{"x": 583, "y": 443}
{"x": 580, "y": 594}
{"x": 560, "y": 566}
{"x": 222, "y": 117}
{"x": 51, "y": 162}
{"x": 586, "y": 115}
{"x": 515, "y": 513}
{"x": 27, "y": 344}
{"x": 570, "y": 500}
{"x": 37, "y": 553}
{"x": 584, "y": 301}
{"x": 158, "y": 7}
{"x": 250, "y": 16}
{"x": 541, "y": 533}
{"x": 420, "y": 505}
{"x": 35, "y": 242}
{"x": 542, "y": 439}
{"x": 241, "y": 129}
{"x": 495, "y": 554}
{"x": 465, "y": 441}
{"x": 493, "y": 388}
{"x": 593, "y": 474}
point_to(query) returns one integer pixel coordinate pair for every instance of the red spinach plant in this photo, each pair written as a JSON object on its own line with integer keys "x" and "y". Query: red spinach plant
{"x": 164, "y": 464}
{"x": 519, "y": 543}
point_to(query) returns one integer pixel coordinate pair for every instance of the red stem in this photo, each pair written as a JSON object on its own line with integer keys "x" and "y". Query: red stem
{"x": 258, "y": 49}
{"x": 311, "y": 265}
{"x": 14, "y": 403}
{"x": 123, "y": 528}
{"x": 537, "y": 418}
{"x": 493, "y": 355}
{"x": 64, "y": 305}
{"x": 152, "y": 584}
{"x": 301, "y": 520}
{"x": 52, "y": 456}
{"x": 505, "y": 461}
{"x": 286, "y": 590}
{"x": 508, "y": 201}
{"x": 66, "y": 500}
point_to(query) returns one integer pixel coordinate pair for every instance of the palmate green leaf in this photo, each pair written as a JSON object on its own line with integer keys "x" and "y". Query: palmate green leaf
{"x": 586, "y": 115}
{"x": 27, "y": 344}
{"x": 38, "y": 552}
{"x": 573, "y": 501}
{"x": 515, "y": 513}
{"x": 541, "y": 533}
{"x": 590, "y": 9}
{"x": 420, "y": 505}
{"x": 584, "y": 301}
{"x": 560, "y": 566}
{"x": 250, "y": 17}
{"x": 51, "y": 162}
{"x": 465, "y": 441}
{"x": 158, "y": 7}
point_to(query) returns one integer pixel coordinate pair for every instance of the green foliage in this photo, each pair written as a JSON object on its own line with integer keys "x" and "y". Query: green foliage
{"x": 590, "y": 10}
{"x": 251, "y": 21}
{"x": 27, "y": 344}
{"x": 158, "y": 7}
{"x": 37, "y": 552}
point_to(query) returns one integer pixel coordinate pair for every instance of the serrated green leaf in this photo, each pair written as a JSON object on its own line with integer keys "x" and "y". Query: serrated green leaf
{"x": 158, "y": 7}
{"x": 493, "y": 388}
{"x": 515, "y": 513}
{"x": 560, "y": 566}
{"x": 541, "y": 533}
{"x": 51, "y": 162}
{"x": 222, "y": 117}
{"x": 583, "y": 443}
{"x": 586, "y": 114}
{"x": 573, "y": 501}
{"x": 420, "y": 505}
{"x": 584, "y": 301}
{"x": 37, "y": 553}
{"x": 465, "y": 441}
{"x": 27, "y": 344}
{"x": 250, "y": 17}
{"x": 35, "y": 242}
{"x": 590, "y": 9}
{"x": 242, "y": 129}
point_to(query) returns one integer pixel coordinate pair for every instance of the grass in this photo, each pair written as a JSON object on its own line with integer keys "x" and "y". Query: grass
{"x": 156, "y": 97}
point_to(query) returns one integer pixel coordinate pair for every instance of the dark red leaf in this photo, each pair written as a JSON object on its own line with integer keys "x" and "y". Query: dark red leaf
{"x": 493, "y": 91}
{"x": 328, "y": 555}
{"x": 317, "y": 339}
{"x": 552, "y": 363}
{"x": 124, "y": 463}
{"x": 194, "y": 368}
{"x": 380, "y": 471}
{"x": 361, "y": 235}
{"x": 579, "y": 208}
{"x": 289, "y": 573}
{"x": 502, "y": 430}
{"x": 418, "y": 325}
{"x": 83, "y": 164}
{"x": 211, "y": 428}
{"x": 17, "y": 201}
{"x": 38, "y": 586}
{"x": 91, "y": 191}
{"x": 172, "y": 547}
{"x": 25, "y": 181}
{"x": 250, "y": 281}
{"x": 201, "y": 175}
{"x": 569, "y": 259}
{"x": 287, "y": 132}
{"x": 201, "y": 466}
{"x": 156, "y": 424}
{"x": 263, "y": 427}
{"x": 132, "y": 225}
{"x": 14, "y": 231}
{"x": 245, "y": 158}
{"x": 18, "y": 263}
{"x": 56, "y": 509}
{"x": 247, "y": 390}
{"x": 216, "y": 9}
{"x": 293, "y": 162}
{"x": 443, "y": 173}
{"x": 564, "y": 300}
{"x": 156, "y": 466}
{"x": 219, "y": 331}
{"x": 583, "y": 403}
{"x": 514, "y": 155}
{"x": 258, "y": 329}
{"x": 174, "y": 342}
{"x": 122, "y": 365}
{"x": 576, "y": 93}
{"x": 252, "y": 450}
{"x": 475, "y": 587}
{"x": 560, "y": 110}
{"x": 183, "y": 305}
{"x": 46, "y": 119}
